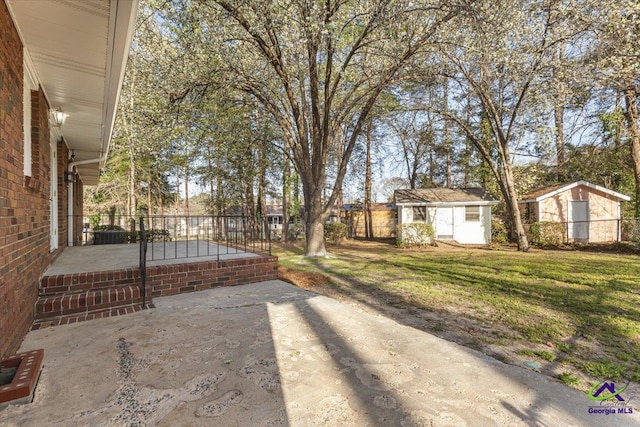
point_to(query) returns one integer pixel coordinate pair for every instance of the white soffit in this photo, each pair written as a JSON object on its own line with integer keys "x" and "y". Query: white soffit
{"x": 79, "y": 49}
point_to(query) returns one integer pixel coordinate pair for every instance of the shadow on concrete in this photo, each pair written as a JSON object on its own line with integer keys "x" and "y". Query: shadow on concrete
{"x": 273, "y": 354}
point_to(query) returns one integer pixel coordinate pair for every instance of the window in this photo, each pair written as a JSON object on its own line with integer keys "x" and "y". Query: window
{"x": 419, "y": 214}
{"x": 472, "y": 213}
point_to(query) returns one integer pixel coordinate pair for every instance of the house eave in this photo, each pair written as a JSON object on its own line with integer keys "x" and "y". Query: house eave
{"x": 78, "y": 51}
{"x": 122, "y": 21}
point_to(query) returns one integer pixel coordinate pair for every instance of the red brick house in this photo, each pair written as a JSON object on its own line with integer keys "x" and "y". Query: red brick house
{"x": 53, "y": 55}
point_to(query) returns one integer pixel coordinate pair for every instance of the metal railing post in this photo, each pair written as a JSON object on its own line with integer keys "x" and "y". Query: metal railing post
{"x": 143, "y": 262}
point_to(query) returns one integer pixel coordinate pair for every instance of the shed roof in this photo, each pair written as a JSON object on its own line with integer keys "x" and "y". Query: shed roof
{"x": 430, "y": 196}
{"x": 551, "y": 190}
{"x": 374, "y": 207}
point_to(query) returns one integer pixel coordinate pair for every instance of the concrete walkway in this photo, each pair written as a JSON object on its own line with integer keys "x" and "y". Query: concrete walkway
{"x": 271, "y": 354}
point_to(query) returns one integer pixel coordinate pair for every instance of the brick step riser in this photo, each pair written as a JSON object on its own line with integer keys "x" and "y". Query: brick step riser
{"x": 78, "y": 282}
{"x": 95, "y": 300}
{"x": 91, "y": 315}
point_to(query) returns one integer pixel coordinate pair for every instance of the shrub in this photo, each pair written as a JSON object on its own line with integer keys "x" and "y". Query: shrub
{"x": 546, "y": 233}
{"x": 158, "y": 235}
{"x": 94, "y": 220}
{"x": 499, "y": 231}
{"x": 153, "y": 235}
{"x": 335, "y": 232}
{"x": 415, "y": 234}
{"x": 294, "y": 232}
{"x": 108, "y": 228}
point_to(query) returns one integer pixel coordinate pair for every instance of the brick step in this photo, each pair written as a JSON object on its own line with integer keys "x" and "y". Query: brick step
{"x": 80, "y": 317}
{"x": 78, "y": 282}
{"x": 86, "y": 302}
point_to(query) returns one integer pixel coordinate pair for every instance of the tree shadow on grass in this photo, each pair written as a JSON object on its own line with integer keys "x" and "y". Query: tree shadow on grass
{"x": 594, "y": 313}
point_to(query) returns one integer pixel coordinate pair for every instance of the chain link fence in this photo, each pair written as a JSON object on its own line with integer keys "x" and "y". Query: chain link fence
{"x": 596, "y": 231}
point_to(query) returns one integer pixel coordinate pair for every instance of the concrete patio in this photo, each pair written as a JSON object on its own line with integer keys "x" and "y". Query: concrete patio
{"x": 272, "y": 354}
{"x": 89, "y": 282}
{"x": 85, "y": 259}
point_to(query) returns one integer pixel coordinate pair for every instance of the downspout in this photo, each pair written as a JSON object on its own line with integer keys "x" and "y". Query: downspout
{"x": 71, "y": 222}
{"x": 619, "y": 222}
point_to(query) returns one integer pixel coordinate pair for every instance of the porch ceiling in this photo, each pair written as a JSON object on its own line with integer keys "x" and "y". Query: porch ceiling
{"x": 79, "y": 50}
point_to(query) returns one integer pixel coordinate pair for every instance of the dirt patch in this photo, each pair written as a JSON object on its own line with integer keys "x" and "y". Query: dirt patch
{"x": 303, "y": 279}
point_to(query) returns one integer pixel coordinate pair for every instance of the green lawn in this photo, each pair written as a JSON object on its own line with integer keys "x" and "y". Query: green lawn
{"x": 576, "y": 314}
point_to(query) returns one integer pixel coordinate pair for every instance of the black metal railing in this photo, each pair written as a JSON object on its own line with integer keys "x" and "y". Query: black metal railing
{"x": 178, "y": 236}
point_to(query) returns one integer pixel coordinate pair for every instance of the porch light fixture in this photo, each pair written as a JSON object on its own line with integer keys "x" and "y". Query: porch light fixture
{"x": 69, "y": 177}
{"x": 58, "y": 117}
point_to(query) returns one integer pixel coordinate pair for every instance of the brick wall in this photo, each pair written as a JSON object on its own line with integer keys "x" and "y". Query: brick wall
{"x": 169, "y": 279}
{"x": 24, "y": 201}
{"x": 179, "y": 278}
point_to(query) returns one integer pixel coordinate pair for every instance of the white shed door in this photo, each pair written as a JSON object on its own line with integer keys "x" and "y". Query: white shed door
{"x": 578, "y": 220}
{"x": 444, "y": 223}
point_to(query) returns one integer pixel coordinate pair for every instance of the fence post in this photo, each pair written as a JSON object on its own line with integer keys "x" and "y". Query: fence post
{"x": 143, "y": 261}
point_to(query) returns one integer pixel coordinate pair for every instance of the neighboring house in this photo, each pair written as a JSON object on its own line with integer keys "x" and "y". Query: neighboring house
{"x": 275, "y": 217}
{"x": 462, "y": 214}
{"x": 591, "y": 213}
{"x": 383, "y": 218}
{"x": 53, "y": 55}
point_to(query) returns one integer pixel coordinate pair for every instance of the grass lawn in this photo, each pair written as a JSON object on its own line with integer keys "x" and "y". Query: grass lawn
{"x": 575, "y": 314}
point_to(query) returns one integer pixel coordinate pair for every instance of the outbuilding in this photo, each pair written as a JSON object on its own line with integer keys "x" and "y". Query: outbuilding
{"x": 589, "y": 212}
{"x": 461, "y": 214}
{"x": 383, "y": 218}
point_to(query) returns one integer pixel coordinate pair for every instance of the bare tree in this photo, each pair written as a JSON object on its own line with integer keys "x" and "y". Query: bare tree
{"x": 318, "y": 67}
{"x": 617, "y": 64}
{"x": 503, "y": 59}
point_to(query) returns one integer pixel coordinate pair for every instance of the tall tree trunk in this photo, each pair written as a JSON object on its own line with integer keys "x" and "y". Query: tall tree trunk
{"x": 161, "y": 202}
{"x": 132, "y": 205}
{"x": 218, "y": 208}
{"x": 468, "y": 147}
{"x": 432, "y": 167}
{"x": 447, "y": 137}
{"x": 503, "y": 172}
{"x": 149, "y": 207}
{"x": 296, "y": 198}
{"x": 511, "y": 199}
{"x": 560, "y": 89}
{"x": 315, "y": 217}
{"x": 286, "y": 196}
{"x": 219, "y": 198}
{"x": 340, "y": 197}
{"x": 212, "y": 188}
{"x": 368, "y": 226}
{"x": 132, "y": 202}
{"x": 631, "y": 114}
{"x": 560, "y": 157}
{"x": 262, "y": 186}
{"x": 251, "y": 208}
{"x": 186, "y": 197}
